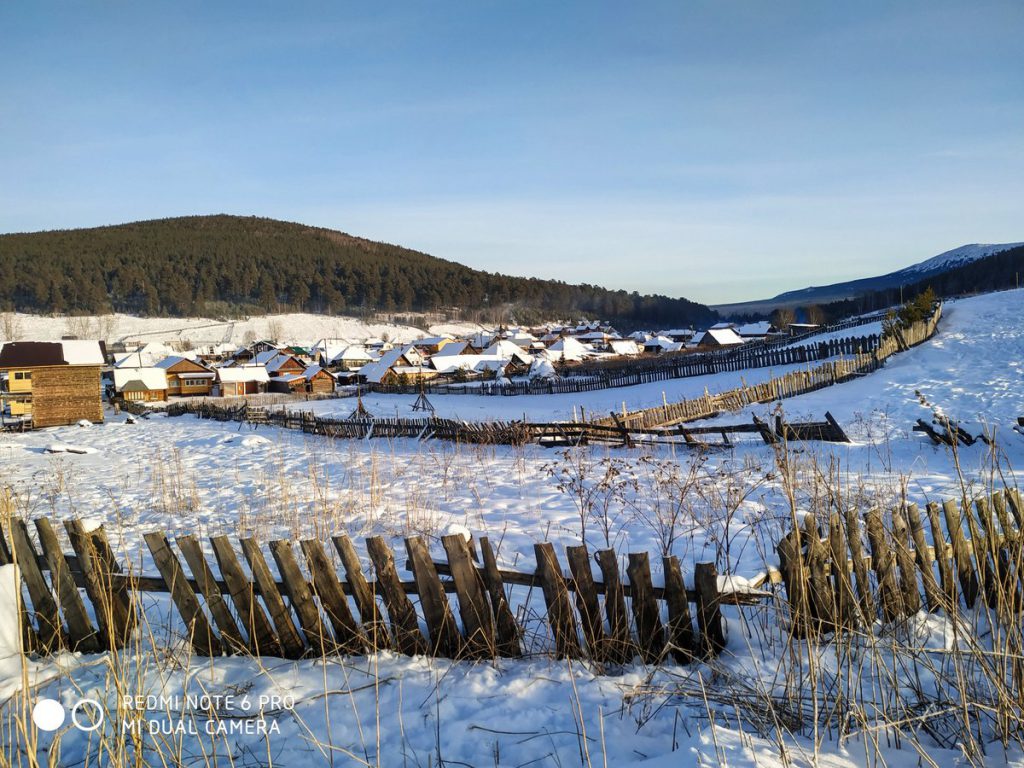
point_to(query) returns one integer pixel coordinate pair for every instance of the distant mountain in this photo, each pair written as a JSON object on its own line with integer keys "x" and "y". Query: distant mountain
{"x": 825, "y": 294}
{"x": 214, "y": 265}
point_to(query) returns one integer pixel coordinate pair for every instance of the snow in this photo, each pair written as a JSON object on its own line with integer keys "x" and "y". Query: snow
{"x": 67, "y": 448}
{"x": 957, "y": 257}
{"x": 187, "y": 475}
{"x": 10, "y": 637}
{"x": 82, "y": 353}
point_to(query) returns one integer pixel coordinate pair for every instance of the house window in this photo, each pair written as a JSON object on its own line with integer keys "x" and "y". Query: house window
{"x": 22, "y": 375}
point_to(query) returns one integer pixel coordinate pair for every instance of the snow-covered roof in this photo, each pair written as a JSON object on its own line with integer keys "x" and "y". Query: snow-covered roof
{"x": 352, "y": 352}
{"x": 624, "y": 347}
{"x": 455, "y": 348}
{"x": 509, "y": 350}
{"x": 150, "y": 377}
{"x": 663, "y": 343}
{"x": 569, "y": 349}
{"x": 243, "y": 373}
{"x": 725, "y": 337}
{"x": 376, "y": 371}
{"x": 755, "y": 329}
{"x": 451, "y": 363}
{"x": 38, "y": 353}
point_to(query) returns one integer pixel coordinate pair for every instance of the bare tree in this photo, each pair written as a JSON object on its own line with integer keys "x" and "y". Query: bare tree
{"x": 10, "y": 326}
{"x": 275, "y": 329}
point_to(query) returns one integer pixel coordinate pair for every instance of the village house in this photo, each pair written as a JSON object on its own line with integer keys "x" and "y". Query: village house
{"x": 56, "y": 383}
{"x": 309, "y": 380}
{"x": 351, "y": 358}
{"x": 146, "y": 384}
{"x": 395, "y": 364}
{"x": 717, "y": 338}
{"x": 186, "y": 378}
{"x": 238, "y": 380}
{"x": 432, "y": 344}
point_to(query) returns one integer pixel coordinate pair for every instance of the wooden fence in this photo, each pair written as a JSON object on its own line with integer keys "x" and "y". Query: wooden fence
{"x": 640, "y": 371}
{"x": 777, "y": 388}
{"x": 227, "y": 609}
{"x": 509, "y": 433}
{"x": 833, "y": 582}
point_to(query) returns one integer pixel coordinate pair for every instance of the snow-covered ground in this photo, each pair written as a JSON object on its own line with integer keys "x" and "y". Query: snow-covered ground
{"x": 183, "y": 475}
{"x": 295, "y": 327}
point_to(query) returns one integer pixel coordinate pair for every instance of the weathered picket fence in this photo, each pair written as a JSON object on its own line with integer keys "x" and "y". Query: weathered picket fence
{"x": 780, "y": 387}
{"x": 227, "y": 610}
{"x": 978, "y": 551}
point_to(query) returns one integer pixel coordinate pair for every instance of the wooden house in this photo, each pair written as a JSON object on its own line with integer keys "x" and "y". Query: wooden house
{"x": 141, "y": 384}
{"x": 186, "y": 378}
{"x": 312, "y": 379}
{"x": 242, "y": 380}
{"x": 56, "y": 383}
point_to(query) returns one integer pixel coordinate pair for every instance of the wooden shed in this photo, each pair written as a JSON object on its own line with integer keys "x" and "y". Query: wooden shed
{"x": 57, "y": 382}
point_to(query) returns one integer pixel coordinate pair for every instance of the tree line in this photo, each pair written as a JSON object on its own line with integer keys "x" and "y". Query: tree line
{"x": 216, "y": 265}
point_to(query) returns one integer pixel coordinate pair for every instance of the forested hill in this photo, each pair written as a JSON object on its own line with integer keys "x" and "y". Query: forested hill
{"x": 200, "y": 265}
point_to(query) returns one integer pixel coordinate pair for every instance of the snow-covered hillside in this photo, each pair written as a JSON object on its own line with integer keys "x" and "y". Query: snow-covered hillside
{"x": 957, "y": 257}
{"x": 299, "y": 328}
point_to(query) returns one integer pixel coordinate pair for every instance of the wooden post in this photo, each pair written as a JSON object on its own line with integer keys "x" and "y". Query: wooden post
{"x": 262, "y": 641}
{"x": 325, "y": 583}
{"x": 366, "y": 601}
{"x": 556, "y": 597}
{"x": 301, "y": 597}
{"x": 823, "y": 602}
{"x": 932, "y": 592}
{"x": 198, "y": 628}
{"x": 649, "y": 630}
{"x": 405, "y": 628}
{"x": 860, "y": 569}
{"x": 505, "y": 623}
{"x": 444, "y": 633}
{"x": 946, "y": 578}
{"x": 207, "y": 586}
{"x": 905, "y": 560}
{"x": 709, "y": 614}
{"x": 587, "y": 604}
{"x": 620, "y": 644}
{"x": 680, "y": 623}
{"x": 51, "y": 631}
{"x": 969, "y": 586}
{"x": 847, "y": 611}
{"x": 473, "y": 608}
{"x": 82, "y": 636}
{"x": 882, "y": 564}
{"x": 287, "y": 632}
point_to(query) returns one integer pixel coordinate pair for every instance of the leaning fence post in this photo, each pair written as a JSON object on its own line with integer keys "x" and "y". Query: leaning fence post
{"x": 709, "y": 613}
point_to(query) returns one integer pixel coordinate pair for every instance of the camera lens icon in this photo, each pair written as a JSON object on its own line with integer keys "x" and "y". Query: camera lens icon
{"x": 49, "y": 715}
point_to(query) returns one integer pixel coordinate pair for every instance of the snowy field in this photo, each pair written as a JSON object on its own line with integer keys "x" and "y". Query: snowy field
{"x": 183, "y": 475}
{"x": 294, "y": 327}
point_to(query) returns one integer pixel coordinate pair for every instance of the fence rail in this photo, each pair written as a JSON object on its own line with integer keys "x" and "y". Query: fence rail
{"x": 228, "y": 609}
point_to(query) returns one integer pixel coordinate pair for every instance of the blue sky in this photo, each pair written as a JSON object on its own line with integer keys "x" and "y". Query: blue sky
{"x": 717, "y": 150}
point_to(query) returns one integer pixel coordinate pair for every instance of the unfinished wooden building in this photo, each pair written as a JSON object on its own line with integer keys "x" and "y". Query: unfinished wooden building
{"x": 54, "y": 382}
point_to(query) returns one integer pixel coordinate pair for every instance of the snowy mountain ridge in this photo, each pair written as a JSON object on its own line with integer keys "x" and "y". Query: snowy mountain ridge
{"x": 958, "y": 257}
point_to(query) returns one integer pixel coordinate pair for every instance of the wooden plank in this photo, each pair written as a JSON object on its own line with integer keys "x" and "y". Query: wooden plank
{"x": 6, "y": 558}
{"x": 506, "y": 628}
{"x": 882, "y": 562}
{"x": 796, "y": 580}
{"x": 288, "y": 634}
{"x": 374, "y": 625}
{"x": 860, "y": 569}
{"x": 621, "y": 647}
{"x": 51, "y": 631}
{"x": 111, "y": 569}
{"x": 680, "y": 624}
{"x": 709, "y": 614}
{"x": 587, "y": 604}
{"x": 82, "y": 635}
{"x": 822, "y": 598}
{"x": 1007, "y": 595}
{"x": 477, "y": 621}
{"x": 923, "y": 555}
{"x": 100, "y": 594}
{"x": 444, "y": 633}
{"x": 405, "y": 627}
{"x": 650, "y": 633}
{"x": 198, "y": 628}
{"x": 905, "y": 561}
{"x": 328, "y": 588}
{"x": 192, "y": 551}
{"x": 968, "y": 577}
{"x": 847, "y": 611}
{"x": 318, "y": 637}
{"x": 262, "y": 640}
{"x": 947, "y": 579}
{"x": 556, "y": 597}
